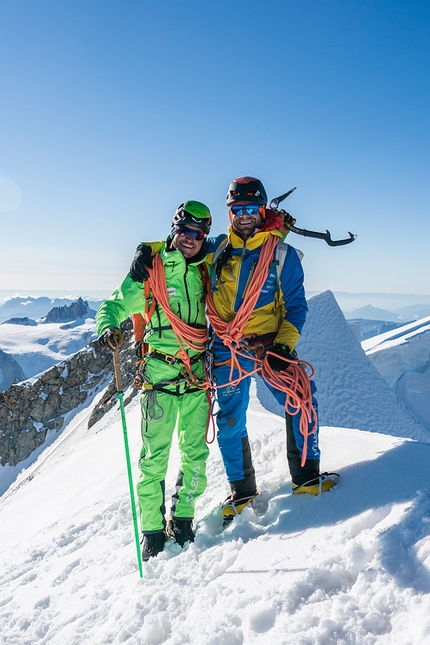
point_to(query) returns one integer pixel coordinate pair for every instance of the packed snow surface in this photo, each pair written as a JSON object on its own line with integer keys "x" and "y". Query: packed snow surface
{"x": 349, "y": 567}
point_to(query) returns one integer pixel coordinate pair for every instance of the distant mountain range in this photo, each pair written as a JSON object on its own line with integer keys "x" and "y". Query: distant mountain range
{"x": 403, "y": 315}
{"x": 37, "y": 308}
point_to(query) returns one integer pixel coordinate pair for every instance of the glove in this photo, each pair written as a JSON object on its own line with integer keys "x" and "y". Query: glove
{"x": 282, "y": 359}
{"x": 288, "y": 219}
{"x": 111, "y": 338}
{"x": 141, "y": 261}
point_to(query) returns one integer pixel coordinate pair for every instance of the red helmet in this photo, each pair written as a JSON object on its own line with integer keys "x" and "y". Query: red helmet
{"x": 246, "y": 190}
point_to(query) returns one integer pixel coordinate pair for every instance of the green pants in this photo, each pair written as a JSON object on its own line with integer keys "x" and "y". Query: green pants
{"x": 161, "y": 413}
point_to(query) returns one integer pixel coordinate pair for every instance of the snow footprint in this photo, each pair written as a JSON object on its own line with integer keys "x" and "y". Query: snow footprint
{"x": 65, "y": 574}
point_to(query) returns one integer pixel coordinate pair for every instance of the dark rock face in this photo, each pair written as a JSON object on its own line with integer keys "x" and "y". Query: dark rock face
{"x": 10, "y": 371}
{"x": 78, "y": 309}
{"x": 20, "y": 321}
{"x": 30, "y": 409}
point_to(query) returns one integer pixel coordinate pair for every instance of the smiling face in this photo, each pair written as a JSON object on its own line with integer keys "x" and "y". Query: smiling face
{"x": 185, "y": 242}
{"x": 244, "y": 224}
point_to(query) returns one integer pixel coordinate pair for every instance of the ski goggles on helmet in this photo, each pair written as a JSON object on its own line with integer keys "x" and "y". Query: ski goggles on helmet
{"x": 245, "y": 209}
{"x": 186, "y": 232}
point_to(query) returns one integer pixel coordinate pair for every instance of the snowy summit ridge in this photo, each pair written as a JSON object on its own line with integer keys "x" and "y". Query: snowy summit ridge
{"x": 351, "y": 392}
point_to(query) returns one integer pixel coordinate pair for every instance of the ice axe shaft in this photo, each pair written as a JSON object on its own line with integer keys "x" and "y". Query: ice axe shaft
{"x": 302, "y": 231}
{"x": 118, "y": 379}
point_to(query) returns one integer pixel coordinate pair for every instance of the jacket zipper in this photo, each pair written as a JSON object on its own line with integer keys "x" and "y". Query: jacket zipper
{"x": 188, "y": 297}
{"x": 250, "y": 274}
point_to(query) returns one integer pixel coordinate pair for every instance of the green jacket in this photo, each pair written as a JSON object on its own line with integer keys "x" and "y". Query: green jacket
{"x": 187, "y": 298}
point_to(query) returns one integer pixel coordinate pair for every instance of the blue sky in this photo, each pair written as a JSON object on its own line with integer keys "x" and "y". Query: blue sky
{"x": 113, "y": 113}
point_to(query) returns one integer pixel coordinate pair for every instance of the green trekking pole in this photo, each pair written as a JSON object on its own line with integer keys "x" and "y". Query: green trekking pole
{"x": 118, "y": 379}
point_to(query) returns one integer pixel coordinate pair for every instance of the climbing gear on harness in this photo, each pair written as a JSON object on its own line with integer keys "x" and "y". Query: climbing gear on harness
{"x": 118, "y": 379}
{"x": 302, "y": 231}
{"x": 317, "y": 485}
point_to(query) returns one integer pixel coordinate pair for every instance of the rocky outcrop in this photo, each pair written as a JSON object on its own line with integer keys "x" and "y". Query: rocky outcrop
{"x": 29, "y": 322}
{"x": 30, "y": 409}
{"x": 78, "y": 309}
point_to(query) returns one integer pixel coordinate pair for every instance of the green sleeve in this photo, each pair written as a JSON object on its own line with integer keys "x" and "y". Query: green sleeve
{"x": 127, "y": 299}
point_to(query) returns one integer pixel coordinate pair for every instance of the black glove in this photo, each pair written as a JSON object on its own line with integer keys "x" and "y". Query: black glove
{"x": 282, "y": 359}
{"x": 141, "y": 261}
{"x": 288, "y": 219}
{"x": 111, "y": 338}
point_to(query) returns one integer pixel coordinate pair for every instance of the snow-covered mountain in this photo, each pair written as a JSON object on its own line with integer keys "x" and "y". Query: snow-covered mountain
{"x": 402, "y": 357}
{"x": 351, "y": 391}
{"x": 350, "y": 567}
{"x": 35, "y": 308}
{"x": 37, "y": 347}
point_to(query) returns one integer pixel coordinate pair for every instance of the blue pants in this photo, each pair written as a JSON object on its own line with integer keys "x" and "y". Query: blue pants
{"x": 232, "y": 435}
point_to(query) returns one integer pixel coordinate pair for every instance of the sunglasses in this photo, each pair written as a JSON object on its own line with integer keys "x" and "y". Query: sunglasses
{"x": 184, "y": 230}
{"x": 245, "y": 209}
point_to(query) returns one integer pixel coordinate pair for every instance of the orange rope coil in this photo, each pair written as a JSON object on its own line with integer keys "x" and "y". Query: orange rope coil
{"x": 293, "y": 381}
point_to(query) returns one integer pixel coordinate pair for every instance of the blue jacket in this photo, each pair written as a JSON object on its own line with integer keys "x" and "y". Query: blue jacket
{"x": 281, "y": 307}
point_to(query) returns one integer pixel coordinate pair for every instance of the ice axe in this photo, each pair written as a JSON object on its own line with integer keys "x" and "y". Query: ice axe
{"x": 302, "y": 231}
{"x": 118, "y": 379}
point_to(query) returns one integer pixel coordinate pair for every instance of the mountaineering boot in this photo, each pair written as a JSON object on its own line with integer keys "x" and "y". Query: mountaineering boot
{"x": 152, "y": 544}
{"x": 319, "y": 484}
{"x": 233, "y": 506}
{"x": 180, "y": 529}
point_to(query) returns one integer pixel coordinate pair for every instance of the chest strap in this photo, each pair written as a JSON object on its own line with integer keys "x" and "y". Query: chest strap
{"x": 172, "y": 360}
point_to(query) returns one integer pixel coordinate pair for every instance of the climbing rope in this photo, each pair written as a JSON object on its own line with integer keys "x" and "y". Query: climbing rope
{"x": 193, "y": 337}
{"x": 293, "y": 381}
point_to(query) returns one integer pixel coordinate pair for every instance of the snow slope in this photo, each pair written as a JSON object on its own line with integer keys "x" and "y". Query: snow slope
{"x": 350, "y": 567}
